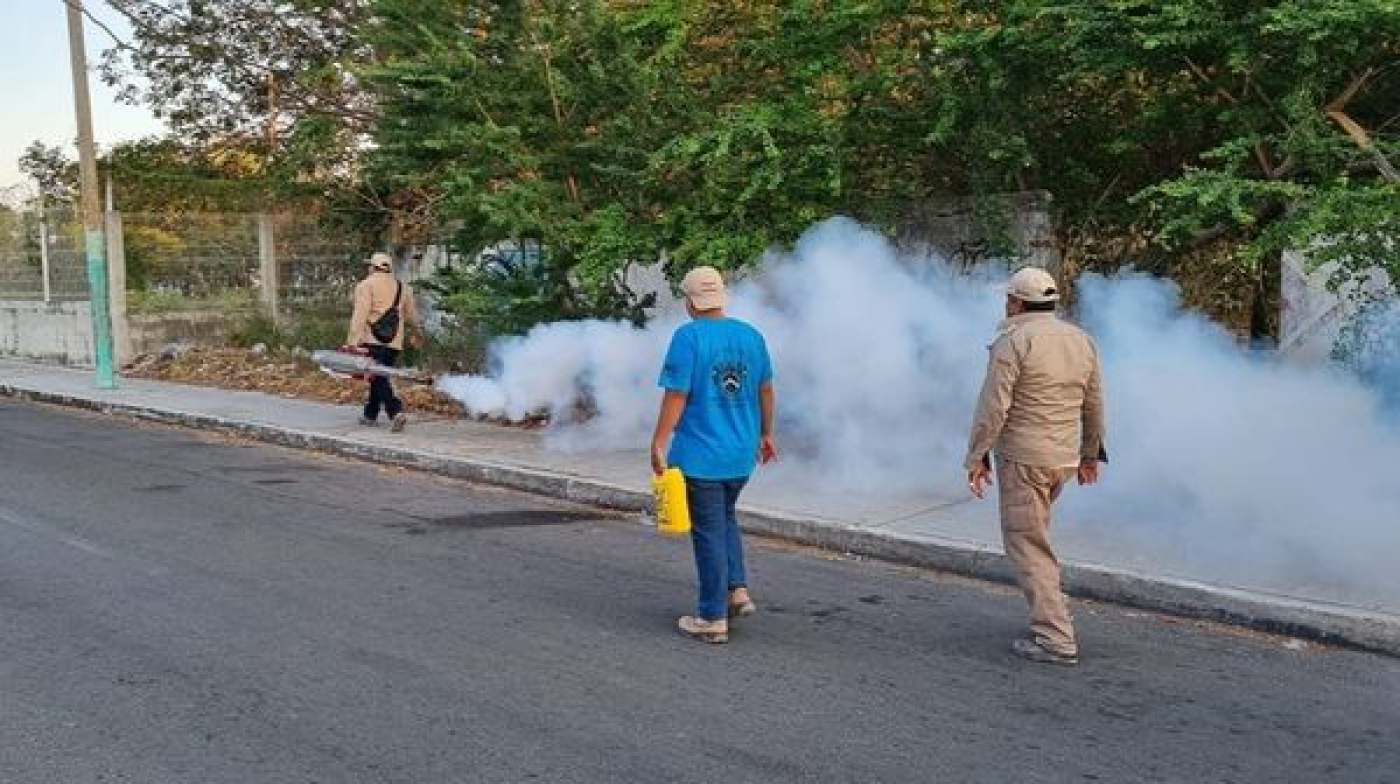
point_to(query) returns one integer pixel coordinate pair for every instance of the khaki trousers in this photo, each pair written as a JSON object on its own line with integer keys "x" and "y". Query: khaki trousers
{"x": 1027, "y": 494}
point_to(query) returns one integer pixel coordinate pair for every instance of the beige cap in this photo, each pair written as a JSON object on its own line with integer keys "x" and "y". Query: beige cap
{"x": 381, "y": 261}
{"x": 1033, "y": 284}
{"x": 704, "y": 287}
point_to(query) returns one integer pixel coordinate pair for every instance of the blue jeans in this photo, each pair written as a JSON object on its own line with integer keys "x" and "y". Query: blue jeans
{"x": 719, "y": 548}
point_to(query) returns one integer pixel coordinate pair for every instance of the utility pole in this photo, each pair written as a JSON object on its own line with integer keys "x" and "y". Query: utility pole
{"x": 92, "y": 209}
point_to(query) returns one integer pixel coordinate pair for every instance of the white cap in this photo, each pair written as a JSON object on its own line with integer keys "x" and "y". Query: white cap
{"x": 1033, "y": 284}
{"x": 381, "y": 261}
{"x": 704, "y": 287}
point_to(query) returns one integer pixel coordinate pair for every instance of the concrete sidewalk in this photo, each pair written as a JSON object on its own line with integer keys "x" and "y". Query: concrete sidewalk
{"x": 924, "y": 529}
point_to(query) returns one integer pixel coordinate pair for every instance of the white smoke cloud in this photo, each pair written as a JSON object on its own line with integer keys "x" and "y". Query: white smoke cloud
{"x": 596, "y": 380}
{"x": 1234, "y": 465}
{"x": 1226, "y": 466}
{"x": 1372, "y": 347}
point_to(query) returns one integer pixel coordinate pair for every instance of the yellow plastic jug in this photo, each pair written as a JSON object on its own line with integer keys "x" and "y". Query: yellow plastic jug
{"x": 672, "y": 511}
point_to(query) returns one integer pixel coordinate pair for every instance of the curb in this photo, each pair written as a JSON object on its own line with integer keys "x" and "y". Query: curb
{"x": 1337, "y": 625}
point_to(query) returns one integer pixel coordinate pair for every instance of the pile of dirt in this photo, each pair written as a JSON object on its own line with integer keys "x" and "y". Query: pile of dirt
{"x": 284, "y": 375}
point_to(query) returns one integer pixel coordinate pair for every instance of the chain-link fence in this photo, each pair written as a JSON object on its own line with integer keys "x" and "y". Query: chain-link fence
{"x": 318, "y": 263}
{"x": 282, "y": 279}
{"x": 193, "y": 261}
{"x": 224, "y": 262}
{"x": 190, "y": 260}
{"x": 42, "y": 255}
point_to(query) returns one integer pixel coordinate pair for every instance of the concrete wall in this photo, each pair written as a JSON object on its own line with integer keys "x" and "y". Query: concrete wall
{"x": 150, "y": 333}
{"x": 61, "y": 332}
{"x": 55, "y": 332}
{"x": 1312, "y": 314}
{"x": 951, "y": 228}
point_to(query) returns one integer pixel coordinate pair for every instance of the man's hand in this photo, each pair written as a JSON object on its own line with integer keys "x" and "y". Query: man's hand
{"x": 415, "y": 339}
{"x": 978, "y": 478}
{"x": 1088, "y": 471}
{"x": 767, "y": 450}
{"x": 658, "y": 459}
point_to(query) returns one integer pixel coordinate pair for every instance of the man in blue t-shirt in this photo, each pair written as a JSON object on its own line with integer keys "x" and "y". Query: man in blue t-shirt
{"x": 718, "y": 404}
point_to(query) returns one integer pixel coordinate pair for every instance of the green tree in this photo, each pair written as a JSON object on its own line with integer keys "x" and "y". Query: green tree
{"x": 1194, "y": 137}
{"x": 611, "y": 133}
{"x": 165, "y": 175}
{"x": 525, "y": 125}
{"x": 781, "y": 114}
{"x": 269, "y": 77}
{"x": 52, "y": 170}
{"x": 1201, "y": 132}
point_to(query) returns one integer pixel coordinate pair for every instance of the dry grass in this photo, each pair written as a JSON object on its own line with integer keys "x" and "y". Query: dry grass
{"x": 282, "y": 375}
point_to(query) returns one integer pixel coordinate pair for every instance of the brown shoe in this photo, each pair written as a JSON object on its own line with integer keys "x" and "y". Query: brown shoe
{"x": 703, "y": 630}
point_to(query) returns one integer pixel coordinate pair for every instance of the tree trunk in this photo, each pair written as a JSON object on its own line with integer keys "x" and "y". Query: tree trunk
{"x": 1263, "y": 318}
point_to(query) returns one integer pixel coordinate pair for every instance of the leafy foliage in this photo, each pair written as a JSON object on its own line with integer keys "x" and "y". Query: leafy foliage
{"x": 1198, "y": 138}
{"x": 1238, "y": 127}
{"x": 268, "y": 77}
{"x": 164, "y": 175}
{"x": 609, "y": 133}
{"x": 52, "y": 170}
{"x": 520, "y": 123}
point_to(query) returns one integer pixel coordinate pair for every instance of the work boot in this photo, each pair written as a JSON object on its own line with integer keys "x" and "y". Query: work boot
{"x": 400, "y": 420}
{"x": 705, "y": 631}
{"x": 1032, "y": 650}
{"x": 741, "y": 605}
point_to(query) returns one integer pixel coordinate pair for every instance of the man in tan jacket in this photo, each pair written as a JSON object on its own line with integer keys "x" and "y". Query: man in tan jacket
{"x": 1041, "y": 412}
{"x": 374, "y": 296}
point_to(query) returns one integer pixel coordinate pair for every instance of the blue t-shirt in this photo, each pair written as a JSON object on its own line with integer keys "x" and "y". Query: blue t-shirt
{"x": 719, "y": 363}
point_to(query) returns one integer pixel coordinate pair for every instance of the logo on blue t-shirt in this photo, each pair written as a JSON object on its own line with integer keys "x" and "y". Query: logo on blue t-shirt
{"x": 730, "y": 375}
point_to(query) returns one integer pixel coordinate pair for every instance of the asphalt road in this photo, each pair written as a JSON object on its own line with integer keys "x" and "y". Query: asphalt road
{"x": 177, "y": 607}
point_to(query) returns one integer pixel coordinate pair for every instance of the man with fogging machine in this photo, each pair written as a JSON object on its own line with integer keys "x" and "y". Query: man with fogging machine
{"x": 718, "y": 402}
{"x": 384, "y": 310}
{"x": 1041, "y": 411}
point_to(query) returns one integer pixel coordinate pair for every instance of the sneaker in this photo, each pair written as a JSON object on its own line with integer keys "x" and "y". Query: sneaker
{"x": 1031, "y": 650}
{"x": 703, "y": 630}
{"x": 741, "y": 605}
{"x": 398, "y": 423}
{"x": 367, "y": 422}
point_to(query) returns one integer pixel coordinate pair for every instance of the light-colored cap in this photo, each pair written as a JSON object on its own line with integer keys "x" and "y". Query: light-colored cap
{"x": 704, "y": 287}
{"x": 381, "y": 261}
{"x": 1033, "y": 284}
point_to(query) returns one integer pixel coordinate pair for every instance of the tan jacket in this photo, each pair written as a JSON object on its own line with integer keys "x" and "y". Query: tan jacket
{"x": 373, "y": 296}
{"x": 1042, "y": 400}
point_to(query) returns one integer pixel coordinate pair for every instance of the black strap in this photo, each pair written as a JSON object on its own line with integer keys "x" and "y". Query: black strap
{"x": 397, "y": 293}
